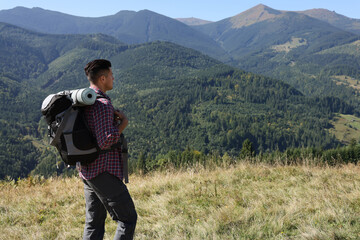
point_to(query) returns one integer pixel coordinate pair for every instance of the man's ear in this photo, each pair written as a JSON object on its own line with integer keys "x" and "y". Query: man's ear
{"x": 101, "y": 79}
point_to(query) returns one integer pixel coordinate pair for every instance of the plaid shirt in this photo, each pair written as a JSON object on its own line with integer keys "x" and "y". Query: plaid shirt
{"x": 100, "y": 117}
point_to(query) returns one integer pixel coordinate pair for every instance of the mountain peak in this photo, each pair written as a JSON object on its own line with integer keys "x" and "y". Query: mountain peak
{"x": 325, "y": 15}
{"x": 260, "y": 6}
{"x": 258, "y": 13}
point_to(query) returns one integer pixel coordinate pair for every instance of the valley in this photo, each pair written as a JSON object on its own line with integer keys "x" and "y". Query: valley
{"x": 279, "y": 79}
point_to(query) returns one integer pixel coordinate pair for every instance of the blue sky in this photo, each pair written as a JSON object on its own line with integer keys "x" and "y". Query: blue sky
{"x": 212, "y": 10}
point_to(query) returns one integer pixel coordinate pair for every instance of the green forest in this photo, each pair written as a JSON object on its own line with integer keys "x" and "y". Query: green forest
{"x": 179, "y": 102}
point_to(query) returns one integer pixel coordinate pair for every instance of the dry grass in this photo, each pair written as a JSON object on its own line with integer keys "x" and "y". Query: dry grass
{"x": 242, "y": 202}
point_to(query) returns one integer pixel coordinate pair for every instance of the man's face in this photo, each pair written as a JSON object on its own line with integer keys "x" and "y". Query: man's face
{"x": 109, "y": 80}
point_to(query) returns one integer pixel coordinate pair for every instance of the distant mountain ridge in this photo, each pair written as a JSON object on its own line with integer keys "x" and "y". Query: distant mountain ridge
{"x": 128, "y": 26}
{"x": 335, "y": 19}
{"x": 262, "y": 12}
{"x": 261, "y": 27}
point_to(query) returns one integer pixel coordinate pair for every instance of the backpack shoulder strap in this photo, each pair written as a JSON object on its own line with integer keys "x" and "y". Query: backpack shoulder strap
{"x": 98, "y": 96}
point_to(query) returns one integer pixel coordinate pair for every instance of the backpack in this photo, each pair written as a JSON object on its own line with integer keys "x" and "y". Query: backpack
{"x": 68, "y": 129}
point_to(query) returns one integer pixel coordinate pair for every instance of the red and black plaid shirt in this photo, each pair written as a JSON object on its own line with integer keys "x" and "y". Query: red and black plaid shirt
{"x": 100, "y": 117}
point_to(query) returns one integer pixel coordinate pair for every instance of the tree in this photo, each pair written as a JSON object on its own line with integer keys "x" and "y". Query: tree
{"x": 141, "y": 163}
{"x": 247, "y": 149}
{"x": 353, "y": 142}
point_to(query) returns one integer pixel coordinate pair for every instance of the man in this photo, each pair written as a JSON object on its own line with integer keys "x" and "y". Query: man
{"x": 103, "y": 186}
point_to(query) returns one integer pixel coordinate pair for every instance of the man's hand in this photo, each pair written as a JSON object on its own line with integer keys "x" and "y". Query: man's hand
{"x": 120, "y": 116}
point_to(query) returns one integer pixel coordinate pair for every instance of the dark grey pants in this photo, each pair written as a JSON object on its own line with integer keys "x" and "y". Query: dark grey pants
{"x": 104, "y": 193}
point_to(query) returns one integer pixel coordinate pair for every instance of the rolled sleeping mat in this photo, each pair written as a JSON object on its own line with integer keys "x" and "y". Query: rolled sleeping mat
{"x": 46, "y": 102}
{"x": 83, "y": 96}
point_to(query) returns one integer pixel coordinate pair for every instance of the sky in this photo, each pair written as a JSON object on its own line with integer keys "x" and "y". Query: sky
{"x": 212, "y": 10}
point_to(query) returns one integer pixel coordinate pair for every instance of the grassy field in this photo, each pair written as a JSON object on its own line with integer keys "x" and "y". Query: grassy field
{"x": 346, "y": 127}
{"x": 293, "y": 43}
{"x": 347, "y": 81}
{"x": 245, "y": 201}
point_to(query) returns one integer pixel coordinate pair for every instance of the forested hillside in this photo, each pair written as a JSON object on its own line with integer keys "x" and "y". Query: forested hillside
{"x": 27, "y": 71}
{"x": 284, "y": 45}
{"x": 176, "y": 98}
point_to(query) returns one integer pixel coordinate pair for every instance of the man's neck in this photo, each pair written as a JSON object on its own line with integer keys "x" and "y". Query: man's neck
{"x": 96, "y": 86}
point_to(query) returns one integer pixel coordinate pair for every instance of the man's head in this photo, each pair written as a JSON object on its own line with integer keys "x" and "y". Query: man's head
{"x": 99, "y": 73}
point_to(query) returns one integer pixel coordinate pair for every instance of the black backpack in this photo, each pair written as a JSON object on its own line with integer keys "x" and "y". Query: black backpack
{"x": 68, "y": 129}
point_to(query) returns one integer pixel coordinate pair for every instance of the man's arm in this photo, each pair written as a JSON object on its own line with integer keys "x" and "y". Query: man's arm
{"x": 106, "y": 133}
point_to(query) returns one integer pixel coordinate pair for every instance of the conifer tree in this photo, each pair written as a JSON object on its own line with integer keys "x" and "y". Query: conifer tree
{"x": 141, "y": 163}
{"x": 247, "y": 149}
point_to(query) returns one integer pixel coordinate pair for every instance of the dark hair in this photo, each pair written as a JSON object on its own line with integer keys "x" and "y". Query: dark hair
{"x": 97, "y": 68}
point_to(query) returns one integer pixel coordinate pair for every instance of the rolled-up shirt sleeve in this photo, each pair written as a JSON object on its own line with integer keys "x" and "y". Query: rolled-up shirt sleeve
{"x": 105, "y": 130}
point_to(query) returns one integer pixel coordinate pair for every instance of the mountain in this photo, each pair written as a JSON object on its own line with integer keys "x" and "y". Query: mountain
{"x": 175, "y": 98}
{"x": 128, "y": 26}
{"x": 290, "y": 46}
{"x": 261, "y": 27}
{"x": 335, "y": 19}
{"x": 193, "y": 21}
{"x": 285, "y": 45}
